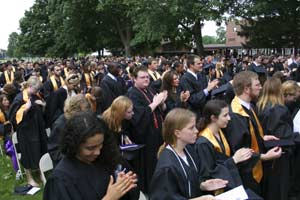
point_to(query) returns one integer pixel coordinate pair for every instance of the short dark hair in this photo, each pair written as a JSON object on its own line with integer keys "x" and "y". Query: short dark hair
{"x": 138, "y": 69}
{"x": 191, "y": 60}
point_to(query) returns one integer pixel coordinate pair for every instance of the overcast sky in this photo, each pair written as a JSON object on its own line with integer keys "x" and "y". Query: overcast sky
{"x": 11, "y": 11}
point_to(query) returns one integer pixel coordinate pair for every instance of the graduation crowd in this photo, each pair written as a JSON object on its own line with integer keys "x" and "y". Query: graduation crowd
{"x": 173, "y": 127}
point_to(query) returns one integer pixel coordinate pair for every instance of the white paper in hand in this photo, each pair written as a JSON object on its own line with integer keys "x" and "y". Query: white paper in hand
{"x": 237, "y": 193}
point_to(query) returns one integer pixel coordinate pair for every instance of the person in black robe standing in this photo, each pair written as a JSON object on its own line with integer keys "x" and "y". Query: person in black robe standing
{"x": 197, "y": 84}
{"x": 276, "y": 120}
{"x": 55, "y": 104}
{"x": 73, "y": 105}
{"x": 89, "y": 169}
{"x": 112, "y": 85}
{"x": 244, "y": 130}
{"x": 26, "y": 115}
{"x": 178, "y": 174}
{"x": 147, "y": 121}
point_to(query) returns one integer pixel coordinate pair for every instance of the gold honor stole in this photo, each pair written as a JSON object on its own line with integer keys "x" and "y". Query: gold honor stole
{"x": 257, "y": 171}
{"x": 87, "y": 79}
{"x": 20, "y": 112}
{"x": 154, "y": 74}
{"x": 66, "y": 71}
{"x": 92, "y": 102}
{"x": 208, "y": 134}
{"x": 54, "y": 83}
{"x": 8, "y": 79}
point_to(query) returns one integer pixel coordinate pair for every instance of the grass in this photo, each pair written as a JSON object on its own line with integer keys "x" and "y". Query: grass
{"x": 8, "y": 182}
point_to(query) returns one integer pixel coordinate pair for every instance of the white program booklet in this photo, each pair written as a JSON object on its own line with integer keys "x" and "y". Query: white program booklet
{"x": 33, "y": 190}
{"x": 237, "y": 193}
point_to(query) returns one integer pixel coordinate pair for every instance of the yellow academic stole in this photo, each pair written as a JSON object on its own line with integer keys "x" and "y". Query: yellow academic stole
{"x": 8, "y": 79}
{"x": 20, "y": 112}
{"x": 87, "y": 79}
{"x": 257, "y": 171}
{"x": 54, "y": 83}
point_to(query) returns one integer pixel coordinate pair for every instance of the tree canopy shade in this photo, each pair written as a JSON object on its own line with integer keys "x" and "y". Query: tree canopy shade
{"x": 269, "y": 24}
{"x": 61, "y": 28}
{"x": 175, "y": 19}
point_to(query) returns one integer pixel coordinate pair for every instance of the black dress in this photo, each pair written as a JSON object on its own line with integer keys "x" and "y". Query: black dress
{"x": 174, "y": 179}
{"x": 75, "y": 180}
{"x": 31, "y": 133}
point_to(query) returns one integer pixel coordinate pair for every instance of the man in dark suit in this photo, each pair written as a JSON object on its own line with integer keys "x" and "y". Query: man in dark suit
{"x": 112, "y": 84}
{"x": 196, "y": 83}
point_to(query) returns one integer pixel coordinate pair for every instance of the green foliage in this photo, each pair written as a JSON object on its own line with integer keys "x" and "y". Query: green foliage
{"x": 270, "y": 24}
{"x": 221, "y": 35}
{"x": 209, "y": 39}
{"x": 8, "y": 182}
{"x": 12, "y": 49}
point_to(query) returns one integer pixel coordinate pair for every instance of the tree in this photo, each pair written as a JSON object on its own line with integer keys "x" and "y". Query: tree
{"x": 175, "y": 20}
{"x": 12, "y": 49}
{"x": 269, "y": 24}
{"x": 221, "y": 35}
{"x": 36, "y": 35}
{"x": 207, "y": 39}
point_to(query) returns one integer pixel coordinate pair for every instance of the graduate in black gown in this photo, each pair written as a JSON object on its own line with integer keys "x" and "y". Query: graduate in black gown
{"x": 244, "y": 130}
{"x": 89, "y": 169}
{"x": 26, "y": 115}
{"x": 178, "y": 175}
{"x": 73, "y": 105}
{"x": 195, "y": 81}
{"x": 55, "y": 104}
{"x": 276, "y": 120}
{"x": 147, "y": 122}
{"x": 170, "y": 82}
{"x": 213, "y": 148}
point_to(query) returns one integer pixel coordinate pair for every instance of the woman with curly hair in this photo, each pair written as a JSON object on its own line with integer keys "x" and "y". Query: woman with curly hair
{"x": 86, "y": 171}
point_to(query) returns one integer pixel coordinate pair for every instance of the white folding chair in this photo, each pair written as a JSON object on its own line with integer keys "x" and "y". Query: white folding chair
{"x": 45, "y": 164}
{"x": 1, "y": 150}
{"x": 18, "y": 155}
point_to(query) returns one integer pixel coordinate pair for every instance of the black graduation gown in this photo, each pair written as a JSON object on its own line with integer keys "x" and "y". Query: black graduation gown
{"x": 169, "y": 180}
{"x": 277, "y": 121}
{"x": 54, "y": 139}
{"x": 75, "y": 180}
{"x": 31, "y": 133}
{"x": 55, "y": 106}
{"x": 111, "y": 89}
{"x": 172, "y": 103}
{"x": 48, "y": 88}
{"x": 217, "y": 164}
{"x": 238, "y": 135}
{"x": 146, "y": 132}
{"x": 197, "y": 98}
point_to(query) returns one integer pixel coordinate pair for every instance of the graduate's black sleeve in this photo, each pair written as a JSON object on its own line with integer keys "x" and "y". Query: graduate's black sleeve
{"x": 277, "y": 121}
{"x": 57, "y": 189}
{"x": 217, "y": 165}
{"x": 108, "y": 95}
{"x": 47, "y": 89}
{"x": 197, "y": 98}
{"x": 164, "y": 185}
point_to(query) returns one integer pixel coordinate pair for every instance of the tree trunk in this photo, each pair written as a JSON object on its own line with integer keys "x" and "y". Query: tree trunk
{"x": 198, "y": 38}
{"x": 125, "y": 36}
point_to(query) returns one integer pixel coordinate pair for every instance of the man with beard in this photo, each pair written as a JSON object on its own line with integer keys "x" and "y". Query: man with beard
{"x": 112, "y": 85}
{"x": 244, "y": 130}
{"x": 54, "y": 82}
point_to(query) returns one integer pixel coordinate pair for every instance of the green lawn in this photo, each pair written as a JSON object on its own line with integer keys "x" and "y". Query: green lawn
{"x": 8, "y": 182}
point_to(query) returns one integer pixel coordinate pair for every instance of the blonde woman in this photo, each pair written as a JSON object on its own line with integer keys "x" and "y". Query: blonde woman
{"x": 117, "y": 117}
